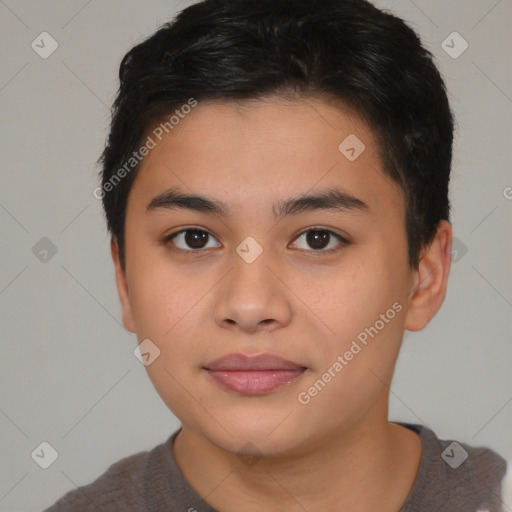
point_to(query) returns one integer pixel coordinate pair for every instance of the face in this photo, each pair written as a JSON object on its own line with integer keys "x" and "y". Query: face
{"x": 319, "y": 288}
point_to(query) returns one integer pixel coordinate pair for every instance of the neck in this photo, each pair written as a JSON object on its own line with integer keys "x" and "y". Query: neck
{"x": 369, "y": 466}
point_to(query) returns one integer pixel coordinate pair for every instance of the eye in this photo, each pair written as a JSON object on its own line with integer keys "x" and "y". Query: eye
{"x": 190, "y": 240}
{"x": 319, "y": 239}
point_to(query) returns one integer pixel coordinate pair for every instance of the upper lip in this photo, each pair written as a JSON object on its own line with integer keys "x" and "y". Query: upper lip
{"x": 241, "y": 362}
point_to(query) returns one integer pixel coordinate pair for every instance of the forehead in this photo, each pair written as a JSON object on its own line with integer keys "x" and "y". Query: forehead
{"x": 261, "y": 151}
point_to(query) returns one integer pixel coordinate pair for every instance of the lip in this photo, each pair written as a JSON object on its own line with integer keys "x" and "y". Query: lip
{"x": 253, "y": 375}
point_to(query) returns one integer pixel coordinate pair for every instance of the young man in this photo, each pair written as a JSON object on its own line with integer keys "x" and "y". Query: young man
{"x": 276, "y": 186}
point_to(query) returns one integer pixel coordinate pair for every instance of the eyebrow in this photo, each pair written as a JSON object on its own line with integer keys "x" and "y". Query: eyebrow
{"x": 327, "y": 199}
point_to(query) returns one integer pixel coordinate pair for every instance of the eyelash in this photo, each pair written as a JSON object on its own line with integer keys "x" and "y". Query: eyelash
{"x": 343, "y": 241}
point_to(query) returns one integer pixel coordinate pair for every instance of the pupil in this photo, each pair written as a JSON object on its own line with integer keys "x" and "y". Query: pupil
{"x": 195, "y": 238}
{"x": 318, "y": 239}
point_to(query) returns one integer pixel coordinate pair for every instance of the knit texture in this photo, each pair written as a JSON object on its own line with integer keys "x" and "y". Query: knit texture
{"x": 151, "y": 481}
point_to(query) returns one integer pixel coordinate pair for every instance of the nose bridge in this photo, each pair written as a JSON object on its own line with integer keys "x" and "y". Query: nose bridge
{"x": 251, "y": 266}
{"x": 251, "y": 294}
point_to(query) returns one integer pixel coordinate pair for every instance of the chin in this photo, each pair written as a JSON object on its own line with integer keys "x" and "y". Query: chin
{"x": 250, "y": 436}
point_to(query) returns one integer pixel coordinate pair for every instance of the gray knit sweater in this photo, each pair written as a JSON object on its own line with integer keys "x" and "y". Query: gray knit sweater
{"x": 152, "y": 482}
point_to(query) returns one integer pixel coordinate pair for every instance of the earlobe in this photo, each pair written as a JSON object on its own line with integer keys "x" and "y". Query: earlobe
{"x": 430, "y": 279}
{"x": 122, "y": 287}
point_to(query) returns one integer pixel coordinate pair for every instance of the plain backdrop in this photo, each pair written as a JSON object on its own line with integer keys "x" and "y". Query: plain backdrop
{"x": 68, "y": 375}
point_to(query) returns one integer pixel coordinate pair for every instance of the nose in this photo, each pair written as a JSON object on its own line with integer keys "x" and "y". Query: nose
{"x": 251, "y": 298}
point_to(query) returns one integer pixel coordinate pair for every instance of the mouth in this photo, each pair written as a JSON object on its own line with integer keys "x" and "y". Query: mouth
{"x": 253, "y": 375}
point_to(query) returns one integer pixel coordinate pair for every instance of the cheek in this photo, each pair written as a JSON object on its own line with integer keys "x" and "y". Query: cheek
{"x": 166, "y": 309}
{"x": 361, "y": 307}
{"x": 164, "y": 300}
{"x": 174, "y": 309}
{"x": 348, "y": 297}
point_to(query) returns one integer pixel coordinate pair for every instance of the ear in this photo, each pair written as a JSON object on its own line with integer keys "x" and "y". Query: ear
{"x": 122, "y": 287}
{"x": 430, "y": 279}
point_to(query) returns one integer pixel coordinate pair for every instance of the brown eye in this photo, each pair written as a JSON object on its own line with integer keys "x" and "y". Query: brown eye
{"x": 191, "y": 239}
{"x": 319, "y": 239}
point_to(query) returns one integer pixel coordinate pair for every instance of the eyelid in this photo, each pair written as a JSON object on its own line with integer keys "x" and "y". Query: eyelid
{"x": 344, "y": 240}
{"x": 341, "y": 238}
{"x": 321, "y": 228}
{"x": 168, "y": 238}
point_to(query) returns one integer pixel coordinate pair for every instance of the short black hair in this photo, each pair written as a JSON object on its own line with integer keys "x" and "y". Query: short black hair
{"x": 348, "y": 51}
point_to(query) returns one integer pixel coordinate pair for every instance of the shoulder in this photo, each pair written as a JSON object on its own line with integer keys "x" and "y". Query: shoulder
{"x": 120, "y": 487}
{"x": 457, "y": 476}
{"x": 506, "y": 488}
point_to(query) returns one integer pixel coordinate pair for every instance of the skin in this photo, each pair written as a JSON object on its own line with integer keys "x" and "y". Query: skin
{"x": 338, "y": 452}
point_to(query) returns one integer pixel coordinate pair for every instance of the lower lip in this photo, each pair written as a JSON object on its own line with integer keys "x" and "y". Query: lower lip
{"x": 254, "y": 382}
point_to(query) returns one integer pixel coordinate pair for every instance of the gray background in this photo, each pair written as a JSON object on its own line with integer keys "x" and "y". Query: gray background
{"x": 67, "y": 372}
